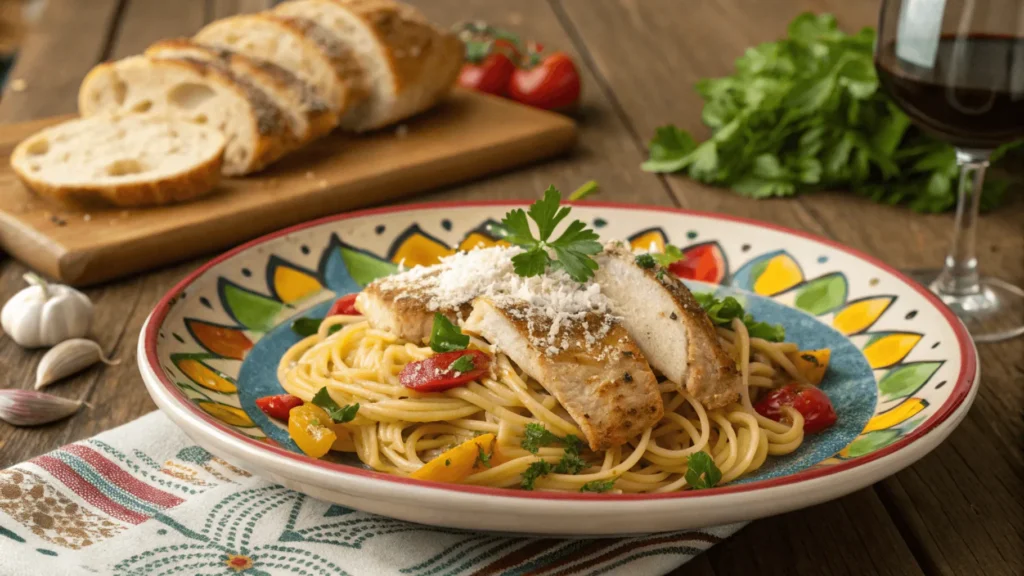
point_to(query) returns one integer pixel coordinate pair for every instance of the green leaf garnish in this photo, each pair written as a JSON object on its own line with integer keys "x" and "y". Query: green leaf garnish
{"x": 571, "y": 463}
{"x": 339, "y": 414}
{"x": 445, "y": 336}
{"x": 536, "y": 436}
{"x": 805, "y": 113}
{"x": 572, "y": 249}
{"x": 598, "y": 486}
{"x": 701, "y": 471}
{"x": 483, "y": 459}
{"x": 671, "y": 255}
{"x": 536, "y": 470}
{"x": 463, "y": 364}
{"x": 723, "y": 311}
{"x": 308, "y": 326}
{"x": 584, "y": 191}
{"x": 645, "y": 261}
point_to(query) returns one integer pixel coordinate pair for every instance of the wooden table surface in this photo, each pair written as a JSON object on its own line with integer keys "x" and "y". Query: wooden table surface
{"x": 960, "y": 510}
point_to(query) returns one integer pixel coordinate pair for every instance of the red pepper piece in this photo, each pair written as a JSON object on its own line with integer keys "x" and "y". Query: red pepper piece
{"x": 278, "y": 406}
{"x": 434, "y": 374}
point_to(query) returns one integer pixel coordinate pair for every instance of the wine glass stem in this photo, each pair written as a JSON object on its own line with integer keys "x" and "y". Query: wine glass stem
{"x": 959, "y": 276}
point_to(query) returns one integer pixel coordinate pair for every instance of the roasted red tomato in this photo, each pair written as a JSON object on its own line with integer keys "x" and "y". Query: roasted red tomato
{"x": 809, "y": 401}
{"x": 345, "y": 305}
{"x": 278, "y": 406}
{"x": 552, "y": 84}
{"x": 443, "y": 371}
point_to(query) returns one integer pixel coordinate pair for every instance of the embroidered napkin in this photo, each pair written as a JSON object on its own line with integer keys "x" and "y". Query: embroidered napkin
{"x": 142, "y": 500}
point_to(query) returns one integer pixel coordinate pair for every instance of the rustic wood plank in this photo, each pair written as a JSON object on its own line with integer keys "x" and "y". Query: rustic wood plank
{"x": 57, "y": 52}
{"x": 146, "y": 21}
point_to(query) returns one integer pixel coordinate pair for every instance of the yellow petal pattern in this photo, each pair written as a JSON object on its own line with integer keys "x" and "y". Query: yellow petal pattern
{"x": 202, "y": 374}
{"x": 860, "y": 315}
{"x": 884, "y": 351}
{"x": 477, "y": 240}
{"x": 781, "y": 274}
{"x": 896, "y": 416}
{"x": 420, "y": 249}
{"x": 292, "y": 285}
{"x": 227, "y": 414}
{"x": 644, "y": 240}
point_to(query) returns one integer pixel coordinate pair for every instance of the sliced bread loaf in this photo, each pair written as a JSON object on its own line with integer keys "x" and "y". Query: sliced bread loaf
{"x": 133, "y": 160}
{"x": 202, "y": 92}
{"x": 308, "y": 115}
{"x": 409, "y": 64}
{"x": 296, "y": 44}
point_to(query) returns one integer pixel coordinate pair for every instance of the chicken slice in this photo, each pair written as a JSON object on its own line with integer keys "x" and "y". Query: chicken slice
{"x": 669, "y": 326}
{"x": 404, "y": 310}
{"x": 588, "y": 362}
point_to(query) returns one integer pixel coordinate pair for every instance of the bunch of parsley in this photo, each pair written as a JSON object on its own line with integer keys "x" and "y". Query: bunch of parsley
{"x": 806, "y": 113}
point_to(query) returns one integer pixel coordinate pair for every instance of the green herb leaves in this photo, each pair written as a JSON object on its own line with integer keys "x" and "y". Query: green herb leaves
{"x": 536, "y": 437}
{"x": 598, "y": 486}
{"x": 721, "y": 312}
{"x": 671, "y": 255}
{"x": 339, "y": 414}
{"x": 462, "y": 364}
{"x": 446, "y": 337}
{"x": 645, "y": 261}
{"x": 701, "y": 471}
{"x": 805, "y": 113}
{"x": 572, "y": 249}
{"x": 536, "y": 470}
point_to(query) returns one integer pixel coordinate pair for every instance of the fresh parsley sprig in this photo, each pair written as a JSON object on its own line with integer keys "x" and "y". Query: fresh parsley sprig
{"x": 573, "y": 249}
{"x": 446, "y": 337}
{"x": 339, "y": 414}
{"x": 722, "y": 311}
{"x": 462, "y": 364}
{"x": 598, "y": 486}
{"x": 701, "y": 471}
{"x": 533, "y": 472}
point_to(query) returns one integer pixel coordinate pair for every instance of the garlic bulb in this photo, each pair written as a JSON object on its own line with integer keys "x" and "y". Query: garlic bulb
{"x": 46, "y": 314}
{"x": 67, "y": 358}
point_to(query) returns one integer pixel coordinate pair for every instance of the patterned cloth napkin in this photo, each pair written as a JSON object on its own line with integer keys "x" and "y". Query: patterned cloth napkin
{"x": 142, "y": 500}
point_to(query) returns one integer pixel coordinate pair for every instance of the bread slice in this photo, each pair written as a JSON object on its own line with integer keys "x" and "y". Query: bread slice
{"x": 202, "y": 92}
{"x": 409, "y": 64}
{"x": 296, "y": 44}
{"x": 133, "y": 160}
{"x": 308, "y": 115}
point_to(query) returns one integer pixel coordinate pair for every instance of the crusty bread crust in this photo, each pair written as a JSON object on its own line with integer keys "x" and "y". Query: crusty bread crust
{"x": 274, "y": 139}
{"x": 320, "y": 119}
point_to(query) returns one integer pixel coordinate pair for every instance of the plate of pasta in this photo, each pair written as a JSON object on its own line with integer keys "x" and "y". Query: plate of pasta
{"x": 554, "y": 368}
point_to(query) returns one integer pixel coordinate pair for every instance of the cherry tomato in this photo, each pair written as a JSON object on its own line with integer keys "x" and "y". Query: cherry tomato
{"x": 434, "y": 374}
{"x": 809, "y": 401}
{"x": 311, "y": 429}
{"x": 345, "y": 305}
{"x": 490, "y": 75}
{"x": 553, "y": 84}
{"x": 278, "y": 406}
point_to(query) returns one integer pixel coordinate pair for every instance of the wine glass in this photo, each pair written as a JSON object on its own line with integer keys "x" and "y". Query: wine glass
{"x": 956, "y": 67}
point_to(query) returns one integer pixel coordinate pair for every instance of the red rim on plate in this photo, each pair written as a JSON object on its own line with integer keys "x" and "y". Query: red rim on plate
{"x": 965, "y": 379}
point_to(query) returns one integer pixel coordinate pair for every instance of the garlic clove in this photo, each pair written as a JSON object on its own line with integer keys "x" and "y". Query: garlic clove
{"x": 30, "y": 408}
{"x": 67, "y": 358}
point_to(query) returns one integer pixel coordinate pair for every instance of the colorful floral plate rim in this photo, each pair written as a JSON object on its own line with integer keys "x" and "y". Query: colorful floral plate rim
{"x": 230, "y": 422}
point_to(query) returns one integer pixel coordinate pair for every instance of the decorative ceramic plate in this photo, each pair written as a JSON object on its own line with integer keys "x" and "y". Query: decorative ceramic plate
{"x": 903, "y": 371}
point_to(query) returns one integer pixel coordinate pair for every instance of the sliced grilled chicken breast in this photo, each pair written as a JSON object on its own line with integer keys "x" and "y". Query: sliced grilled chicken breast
{"x": 590, "y": 364}
{"x": 669, "y": 325}
{"x": 403, "y": 310}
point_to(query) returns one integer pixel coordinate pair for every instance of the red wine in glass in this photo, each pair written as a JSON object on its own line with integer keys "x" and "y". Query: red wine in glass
{"x": 956, "y": 67}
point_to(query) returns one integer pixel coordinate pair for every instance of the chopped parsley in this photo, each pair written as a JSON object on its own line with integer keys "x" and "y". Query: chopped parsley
{"x": 598, "y": 486}
{"x": 308, "y": 326}
{"x": 536, "y": 437}
{"x": 463, "y": 364}
{"x": 446, "y": 337}
{"x": 572, "y": 249}
{"x": 721, "y": 312}
{"x": 483, "y": 459}
{"x": 701, "y": 471}
{"x": 447, "y": 461}
{"x": 536, "y": 470}
{"x": 584, "y": 191}
{"x": 660, "y": 274}
{"x": 671, "y": 255}
{"x": 645, "y": 261}
{"x": 339, "y": 414}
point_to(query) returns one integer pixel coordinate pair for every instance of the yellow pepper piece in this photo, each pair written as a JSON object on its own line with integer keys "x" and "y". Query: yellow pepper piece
{"x": 456, "y": 464}
{"x": 312, "y": 429}
{"x": 811, "y": 363}
{"x": 343, "y": 442}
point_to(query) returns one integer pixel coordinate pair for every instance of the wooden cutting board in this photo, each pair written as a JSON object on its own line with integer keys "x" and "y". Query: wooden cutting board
{"x": 466, "y": 137}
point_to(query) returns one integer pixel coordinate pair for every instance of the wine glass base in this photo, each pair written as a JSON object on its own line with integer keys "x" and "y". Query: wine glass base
{"x": 994, "y": 313}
